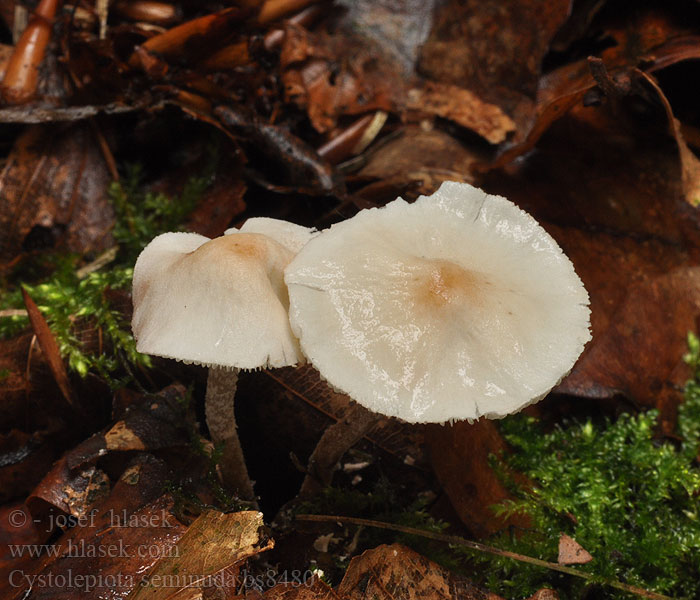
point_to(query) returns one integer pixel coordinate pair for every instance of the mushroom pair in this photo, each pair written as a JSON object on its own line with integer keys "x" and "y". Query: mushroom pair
{"x": 454, "y": 307}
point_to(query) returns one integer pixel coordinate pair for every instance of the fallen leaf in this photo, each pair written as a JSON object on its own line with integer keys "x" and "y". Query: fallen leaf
{"x": 67, "y": 492}
{"x": 151, "y": 422}
{"x": 459, "y": 455}
{"x": 222, "y": 203}
{"x": 502, "y": 66}
{"x": 616, "y": 208}
{"x": 690, "y": 165}
{"x": 390, "y": 572}
{"x": 49, "y": 347}
{"x": 110, "y": 546}
{"x": 55, "y": 179}
{"x": 418, "y": 158}
{"x": 649, "y": 39}
{"x": 571, "y": 552}
{"x": 344, "y": 72}
{"x": 298, "y": 164}
{"x": 463, "y": 107}
{"x": 212, "y": 543}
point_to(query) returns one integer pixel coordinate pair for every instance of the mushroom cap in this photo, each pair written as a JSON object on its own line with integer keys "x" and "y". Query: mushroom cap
{"x": 220, "y": 302}
{"x": 292, "y": 236}
{"x": 457, "y": 306}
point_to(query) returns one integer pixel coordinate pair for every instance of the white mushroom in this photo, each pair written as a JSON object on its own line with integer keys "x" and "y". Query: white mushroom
{"x": 457, "y": 306}
{"x": 221, "y": 303}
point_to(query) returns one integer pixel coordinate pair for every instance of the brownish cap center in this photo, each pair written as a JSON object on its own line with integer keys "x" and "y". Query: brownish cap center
{"x": 444, "y": 283}
{"x": 244, "y": 245}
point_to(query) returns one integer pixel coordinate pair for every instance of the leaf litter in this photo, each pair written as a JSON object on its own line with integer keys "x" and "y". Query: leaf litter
{"x": 600, "y": 150}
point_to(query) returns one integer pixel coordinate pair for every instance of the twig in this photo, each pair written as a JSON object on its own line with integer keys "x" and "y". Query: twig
{"x": 13, "y": 312}
{"x": 459, "y": 541}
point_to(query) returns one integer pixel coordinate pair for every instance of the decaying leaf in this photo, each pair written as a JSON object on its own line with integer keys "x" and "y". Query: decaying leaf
{"x": 459, "y": 455}
{"x": 107, "y": 549}
{"x": 632, "y": 239}
{"x": 571, "y": 552}
{"x": 420, "y": 159}
{"x": 212, "y": 543}
{"x": 55, "y": 179}
{"x": 151, "y": 422}
{"x": 348, "y": 73}
{"x": 650, "y": 39}
{"x": 389, "y": 572}
{"x": 502, "y": 68}
{"x": 463, "y": 107}
{"x": 66, "y": 491}
{"x": 49, "y": 347}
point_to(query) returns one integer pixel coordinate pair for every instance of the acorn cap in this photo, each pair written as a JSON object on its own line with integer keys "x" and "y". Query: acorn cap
{"x": 220, "y": 302}
{"x": 454, "y": 307}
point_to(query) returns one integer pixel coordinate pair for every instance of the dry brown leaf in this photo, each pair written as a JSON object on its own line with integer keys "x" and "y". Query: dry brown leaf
{"x": 107, "y": 550}
{"x": 49, "y": 347}
{"x": 502, "y": 66}
{"x": 347, "y": 73}
{"x": 55, "y": 178}
{"x": 463, "y": 107}
{"x": 460, "y": 457}
{"x": 420, "y": 158}
{"x": 690, "y": 165}
{"x": 571, "y": 552}
{"x": 616, "y": 208}
{"x": 212, "y": 543}
{"x": 391, "y": 572}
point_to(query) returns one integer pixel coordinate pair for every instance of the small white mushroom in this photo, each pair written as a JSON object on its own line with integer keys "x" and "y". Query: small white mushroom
{"x": 221, "y": 303}
{"x": 457, "y": 306}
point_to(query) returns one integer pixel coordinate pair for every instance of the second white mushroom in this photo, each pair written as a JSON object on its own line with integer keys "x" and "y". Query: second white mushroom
{"x": 220, "y": 303}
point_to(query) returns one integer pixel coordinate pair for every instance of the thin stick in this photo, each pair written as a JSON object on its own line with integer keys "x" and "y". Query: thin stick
{"x": 460, "y": 541}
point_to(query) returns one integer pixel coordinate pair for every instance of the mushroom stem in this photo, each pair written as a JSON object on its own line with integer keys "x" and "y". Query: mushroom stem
{"x": 221, "y": 420}
{"x": 335, "y": 442}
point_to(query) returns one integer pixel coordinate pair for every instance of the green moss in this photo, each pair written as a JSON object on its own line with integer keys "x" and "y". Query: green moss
{"x": 626, "y": 496}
